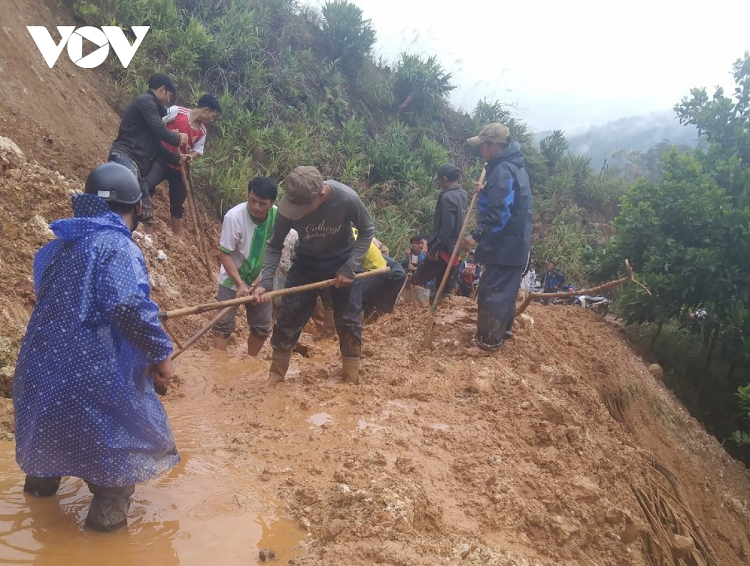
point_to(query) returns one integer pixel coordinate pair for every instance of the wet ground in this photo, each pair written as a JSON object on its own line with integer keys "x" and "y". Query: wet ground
{"x": 207, "y": 510}
{"x": 530, "y": 457}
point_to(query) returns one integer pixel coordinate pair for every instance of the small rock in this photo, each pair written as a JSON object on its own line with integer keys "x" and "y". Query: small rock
{"x": 564, "y": 527}
{"x": 633, "y": 530}
{"x": 11, "y": 156}
{"x": 160, "y": 255}
{"x": 333, "y": 529}
{"x": 681, "y": 546}
{"x": 267, "y": 554}
{"x": 614, "y": 516}
{"x": 656, "y": 370}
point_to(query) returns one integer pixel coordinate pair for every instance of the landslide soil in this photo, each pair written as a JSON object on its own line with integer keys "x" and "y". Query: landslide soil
{"x": 536, "y": 455}
{"x": 530, "y": 456}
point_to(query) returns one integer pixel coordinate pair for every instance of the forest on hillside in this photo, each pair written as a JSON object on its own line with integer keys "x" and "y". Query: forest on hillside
{"x": 300, "y": 86}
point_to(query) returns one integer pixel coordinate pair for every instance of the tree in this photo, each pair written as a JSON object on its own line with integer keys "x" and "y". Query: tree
{"x": 421, "y": 84}
{"x": 725, "y": 123}
{"x": 348, "y": 37}
{"x": 553, "y": 148}
{"x": 691, "y": 245}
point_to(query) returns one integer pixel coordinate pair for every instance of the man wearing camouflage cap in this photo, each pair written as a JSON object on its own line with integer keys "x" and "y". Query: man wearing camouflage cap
{"x": 503, "y": 235}
{"x": 322, "y": 212}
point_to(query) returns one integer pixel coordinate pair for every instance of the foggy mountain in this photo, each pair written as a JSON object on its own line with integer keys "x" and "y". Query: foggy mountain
{"x": 635, "y": 133}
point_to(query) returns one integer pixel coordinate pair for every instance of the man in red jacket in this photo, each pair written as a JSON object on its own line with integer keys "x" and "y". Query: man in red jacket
{"x": 191, "y": 122}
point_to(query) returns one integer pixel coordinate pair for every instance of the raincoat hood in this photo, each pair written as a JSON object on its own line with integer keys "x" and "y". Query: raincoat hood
{"x": 90, "y": 214}
{"x": 511, "y": 155}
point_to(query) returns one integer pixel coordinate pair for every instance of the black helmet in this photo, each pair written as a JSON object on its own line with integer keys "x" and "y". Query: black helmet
{"x": 114, "y": 183}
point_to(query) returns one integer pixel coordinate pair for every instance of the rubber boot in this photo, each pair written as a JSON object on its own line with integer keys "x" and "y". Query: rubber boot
{"x": 421, "y": 297}
{"x": 254, "y": 344}
{"x": 318, "y": 319}
{"x": 221, "y": 343}
{"x": 490, "y": 333}
{"x": 279, "y": 366}
{"x": 350, "y": 369}
{"x": 109, "y": 508}
{"x": 176, "y": 225}
{"x": 41, "y": 487}
{"x": 329, "y": 324}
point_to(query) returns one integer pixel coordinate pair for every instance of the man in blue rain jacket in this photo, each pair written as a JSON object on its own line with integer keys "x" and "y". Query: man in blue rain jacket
{"x": 503, "y": 235}
{"x": 84, "y": 404}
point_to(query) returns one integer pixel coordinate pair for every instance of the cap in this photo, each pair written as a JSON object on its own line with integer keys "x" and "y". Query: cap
{"x": 449, "y": 171}
{"x": 302, "y": 186}
{"x": 495, "y": 132}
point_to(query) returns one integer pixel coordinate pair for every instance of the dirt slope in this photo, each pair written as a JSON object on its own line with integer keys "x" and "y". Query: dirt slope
{"x": 537, "y": 455}
{"x": 531, "y": 456}
{"x": 60, "y": 116}
{"x": 34, "y": 196}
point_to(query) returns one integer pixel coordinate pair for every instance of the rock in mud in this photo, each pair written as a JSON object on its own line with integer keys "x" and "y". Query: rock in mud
{"x": 11, "y": 156}
{"x": 633, "y": 530}
{"x": 333, "y": 529}
{"x": 656, "y": 370}
{"x": 267, "y": 554}
{"x": 564, "y": 527}
{"x": 681, "y": 546}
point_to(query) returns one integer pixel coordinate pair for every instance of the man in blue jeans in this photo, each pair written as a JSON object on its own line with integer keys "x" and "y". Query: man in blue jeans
{"x": 322, "y": 213}
{"x": 502, "y": 237}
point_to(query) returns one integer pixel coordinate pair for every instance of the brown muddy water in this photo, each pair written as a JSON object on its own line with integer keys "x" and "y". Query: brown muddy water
{"x": 210, "y": 509}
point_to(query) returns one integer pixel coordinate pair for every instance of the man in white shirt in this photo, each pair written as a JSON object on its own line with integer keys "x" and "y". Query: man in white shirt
{"x": 242, "y": 246}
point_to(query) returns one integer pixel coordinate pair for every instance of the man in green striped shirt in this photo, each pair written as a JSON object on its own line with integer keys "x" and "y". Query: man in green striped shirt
{"x": 242, "y": 246}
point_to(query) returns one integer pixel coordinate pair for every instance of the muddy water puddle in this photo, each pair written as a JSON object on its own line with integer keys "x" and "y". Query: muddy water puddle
{"x": 320, "y": 419}
{"x": 210, "y": 509}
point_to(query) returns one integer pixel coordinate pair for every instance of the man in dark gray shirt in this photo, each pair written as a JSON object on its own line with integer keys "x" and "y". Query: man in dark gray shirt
{"x": 450, "y": 211}
{"x": 322, "y": 212}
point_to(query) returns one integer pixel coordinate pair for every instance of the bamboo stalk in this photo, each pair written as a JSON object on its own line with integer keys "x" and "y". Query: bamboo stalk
{"x": 171, "y": 334}
{"x": 199, "y": 230}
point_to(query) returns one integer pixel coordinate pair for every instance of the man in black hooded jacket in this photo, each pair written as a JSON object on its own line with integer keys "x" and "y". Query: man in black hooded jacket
{"x": 503, "y": 235}
{"x": 140, "y": 135}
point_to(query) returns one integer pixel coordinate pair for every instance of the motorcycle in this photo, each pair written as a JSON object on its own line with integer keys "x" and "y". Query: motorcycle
{"x": 694, "y": 320}
{"x": 598, "y": 304}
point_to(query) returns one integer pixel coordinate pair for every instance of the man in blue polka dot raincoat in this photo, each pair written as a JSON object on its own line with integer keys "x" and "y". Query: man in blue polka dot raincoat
{"x": 85, "y": 405}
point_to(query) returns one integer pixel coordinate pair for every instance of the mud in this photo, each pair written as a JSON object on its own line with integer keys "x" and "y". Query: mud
{"x": 208, "y": 509}
{"x": 533, "y": 455}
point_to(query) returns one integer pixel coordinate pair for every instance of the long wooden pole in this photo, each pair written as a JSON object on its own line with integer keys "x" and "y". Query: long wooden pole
{"x": 598, "y": 289}
{"x": 427, "y": 342}
{"x": 165, "y": 315}
{"x": 199, "y": 231}
{"x": 205, "y": 328}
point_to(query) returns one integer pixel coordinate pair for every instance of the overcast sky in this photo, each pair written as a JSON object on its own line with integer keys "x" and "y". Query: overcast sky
{"x": 569, "y": 64}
